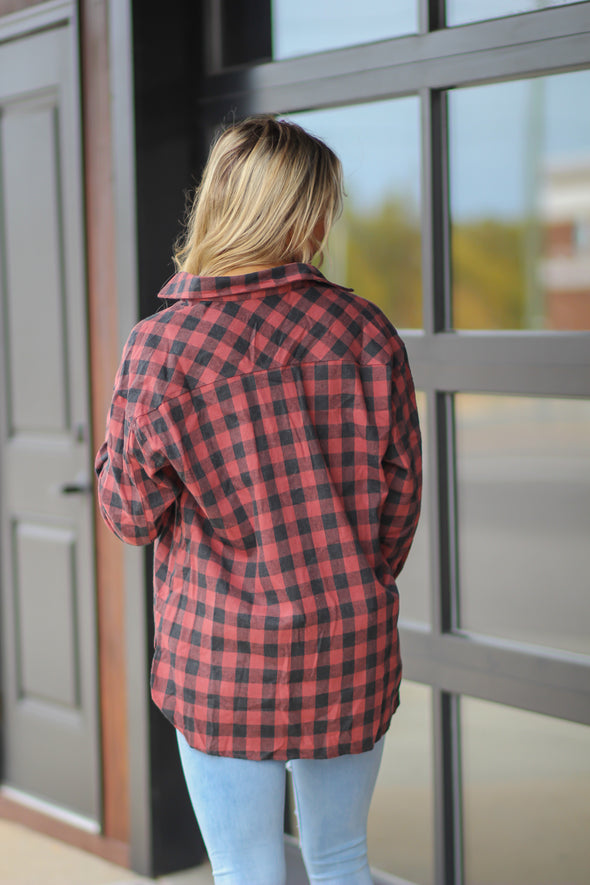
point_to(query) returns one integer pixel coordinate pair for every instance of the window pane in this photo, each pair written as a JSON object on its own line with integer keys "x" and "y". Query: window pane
{"x": 520, "y": 204}
{"x": 523, "y": 469}
{"x": 375, "y": 247}
{"x": 526, "y": 783}
{"x": 401, "y": 825}
{"x": 414, "y": 581}
{"x": 303, "y": 26}
{"x": 461, "y": 11}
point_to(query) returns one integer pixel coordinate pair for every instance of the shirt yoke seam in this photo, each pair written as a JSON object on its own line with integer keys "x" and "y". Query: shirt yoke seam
{"x": 221, "y": 380}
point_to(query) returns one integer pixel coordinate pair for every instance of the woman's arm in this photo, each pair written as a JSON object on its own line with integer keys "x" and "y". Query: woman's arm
{"x": 136, "y": 490}
{"x": 402, "y": 465}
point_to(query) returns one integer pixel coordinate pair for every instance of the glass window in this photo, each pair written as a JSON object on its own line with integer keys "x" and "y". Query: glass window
{"x": 526, "y": 782}
{"x": 375, "y": 247}
{"x": 461, "y": 11}
{"x": 523, "y": 475}
{"x": 401, "y": 823}
{"x": 414, "y": 581}
{"x": 303, "y": 26}
{"x": 520, "y": 204}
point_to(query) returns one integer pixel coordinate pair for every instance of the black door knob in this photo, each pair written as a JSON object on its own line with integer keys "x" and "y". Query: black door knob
{"x": 75, "y": 488}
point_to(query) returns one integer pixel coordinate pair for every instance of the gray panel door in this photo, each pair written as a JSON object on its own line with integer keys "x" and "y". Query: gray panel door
{"x": 49, "y": 669}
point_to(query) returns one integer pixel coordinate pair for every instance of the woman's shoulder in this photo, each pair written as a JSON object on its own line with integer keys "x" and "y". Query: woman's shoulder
{"x": 155, "y": 332}
{"x": 370, "y": 317}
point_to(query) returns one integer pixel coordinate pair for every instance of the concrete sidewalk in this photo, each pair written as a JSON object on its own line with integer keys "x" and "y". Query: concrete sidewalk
{"x": 29, "y": 858}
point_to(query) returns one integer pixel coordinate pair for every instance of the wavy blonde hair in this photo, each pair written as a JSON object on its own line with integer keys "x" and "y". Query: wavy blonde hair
{"x": 269, "y": 194}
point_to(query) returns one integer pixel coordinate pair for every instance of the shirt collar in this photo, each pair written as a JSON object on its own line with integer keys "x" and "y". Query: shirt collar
{"x": 265, "y": 282}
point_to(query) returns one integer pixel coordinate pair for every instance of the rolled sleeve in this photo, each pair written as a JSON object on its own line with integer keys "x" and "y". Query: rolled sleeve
{"x": 135, "y": 496}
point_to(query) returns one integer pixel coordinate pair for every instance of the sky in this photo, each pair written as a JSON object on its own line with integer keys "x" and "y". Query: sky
{"x": 304, "y": 26}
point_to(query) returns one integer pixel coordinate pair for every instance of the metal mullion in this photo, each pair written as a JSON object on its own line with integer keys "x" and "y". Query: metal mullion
{"x": 436, "y": 317}
{"x": 438, "y": 46}
{"x": 447, "y": 493}
{"x": 436, "y": 274}
{"x": 447, "y": 798}
{"x": 542, "y": 680}
{"x": 448, "y": 842}
{"x": 397, "y": 80}
{"x": 423, "y": 16}
{"x": 536, "y": 364}
{"x": 428, "y": 219}
{"x": 567, "y": 348}
{"x": 529, "y": 44}
{"x": 431, "y": 15}
{"x": 436, "y": 280}
{"x": 438, "y": 14}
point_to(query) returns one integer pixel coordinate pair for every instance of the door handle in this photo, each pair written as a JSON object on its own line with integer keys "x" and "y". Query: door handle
{"x": 75, "y": 488}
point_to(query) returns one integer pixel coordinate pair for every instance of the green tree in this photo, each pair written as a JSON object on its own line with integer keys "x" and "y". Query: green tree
{"x": 488, "y": 275}
{"x": 377, "y": 253}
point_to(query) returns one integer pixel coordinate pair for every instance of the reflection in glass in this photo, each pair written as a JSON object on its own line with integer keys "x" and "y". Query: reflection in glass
{"x": 520, "y": 204}
{"x": 526, "y": 783}
{"x": 375, "y": 247}
{"x": 303, "y": 26}
{"x": 401, "y": 825}
{"x": 523, "y": 475}
{"x": 414, "y": 581}
{"x": 461, "y": 11}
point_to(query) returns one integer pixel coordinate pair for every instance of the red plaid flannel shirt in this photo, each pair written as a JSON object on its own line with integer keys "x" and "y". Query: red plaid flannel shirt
{"x": 263, "y": 432}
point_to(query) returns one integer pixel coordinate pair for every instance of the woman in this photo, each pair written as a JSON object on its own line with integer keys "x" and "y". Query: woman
{"x": 263, "y": 432}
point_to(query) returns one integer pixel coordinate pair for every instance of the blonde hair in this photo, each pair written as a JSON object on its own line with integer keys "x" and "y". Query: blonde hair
{"x": 269, "y": 195}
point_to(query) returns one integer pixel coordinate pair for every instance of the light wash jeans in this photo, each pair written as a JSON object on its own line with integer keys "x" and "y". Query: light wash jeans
{"x": 239, "y": 805}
